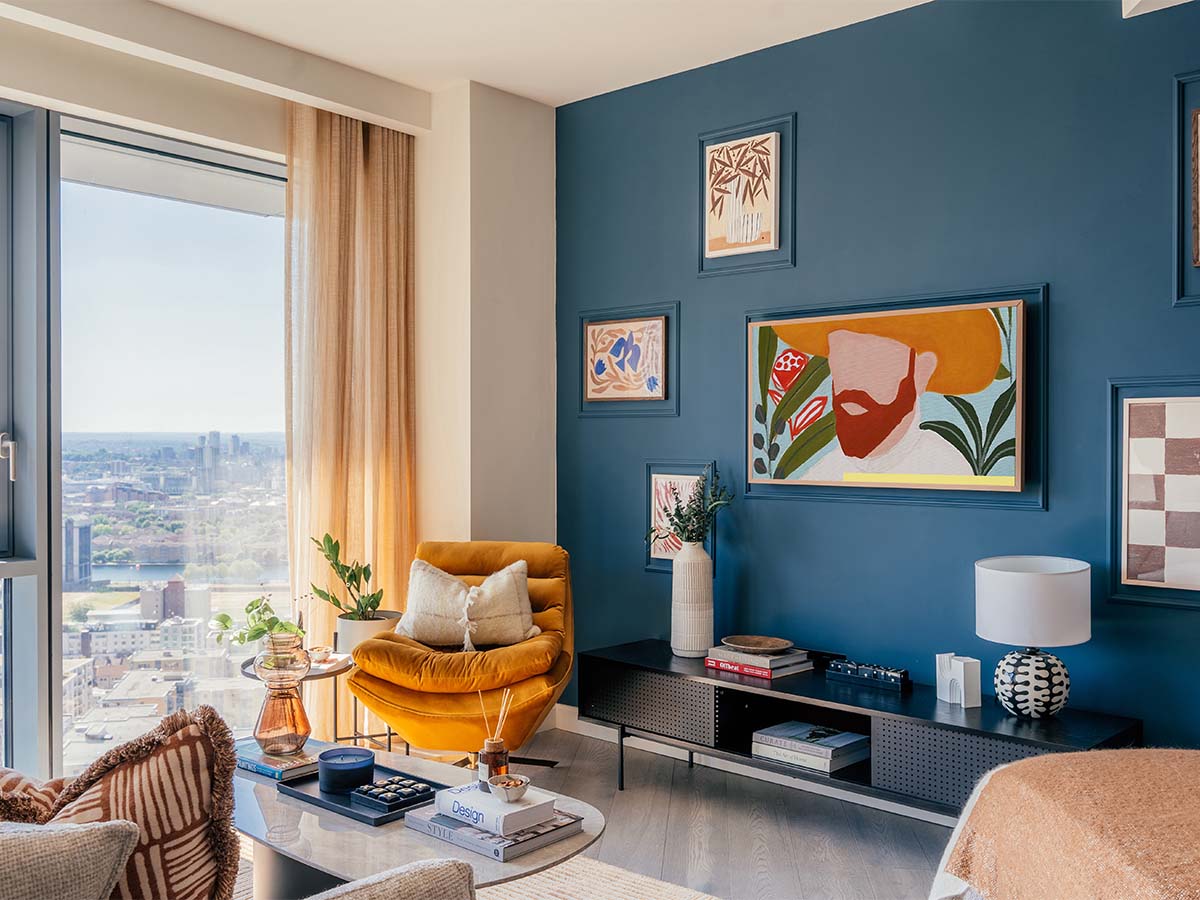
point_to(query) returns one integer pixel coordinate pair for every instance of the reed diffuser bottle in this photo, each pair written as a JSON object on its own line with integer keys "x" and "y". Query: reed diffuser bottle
{"x": 493, "y": 758}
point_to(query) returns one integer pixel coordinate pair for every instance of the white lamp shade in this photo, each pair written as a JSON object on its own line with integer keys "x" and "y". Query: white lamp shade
{"x": 1033, "y": 601}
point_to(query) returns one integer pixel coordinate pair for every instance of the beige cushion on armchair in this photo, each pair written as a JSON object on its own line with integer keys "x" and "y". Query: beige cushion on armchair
{"x": 434, "y": 879}
{"x": 63, "y": 862}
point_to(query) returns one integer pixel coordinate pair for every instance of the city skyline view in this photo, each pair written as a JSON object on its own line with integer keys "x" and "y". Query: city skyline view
{"x": 173, "y": 498}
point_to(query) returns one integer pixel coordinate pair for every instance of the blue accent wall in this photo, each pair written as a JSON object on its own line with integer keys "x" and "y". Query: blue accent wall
{"x": 955, "y": 146}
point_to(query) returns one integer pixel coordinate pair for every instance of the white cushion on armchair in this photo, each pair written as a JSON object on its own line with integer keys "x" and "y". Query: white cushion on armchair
{"x": 432, "y": 879}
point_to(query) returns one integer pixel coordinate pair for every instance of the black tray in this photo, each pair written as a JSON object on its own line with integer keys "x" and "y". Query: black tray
{"x": 308, "y": 790}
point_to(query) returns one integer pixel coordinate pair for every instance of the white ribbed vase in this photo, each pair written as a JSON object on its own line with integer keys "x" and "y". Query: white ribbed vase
{"x": 692, "y": 601}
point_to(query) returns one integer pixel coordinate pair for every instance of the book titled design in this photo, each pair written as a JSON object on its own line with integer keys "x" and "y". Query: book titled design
{"x": 428, "y": 820}
{"x": 761, "y": 660}
{"x": 723, "y": 665}
{"x": 815, "y": 740}
{"x": 469, "y": 804}
{"x": 282, "y": 768}
{"x": 808, "y": 760}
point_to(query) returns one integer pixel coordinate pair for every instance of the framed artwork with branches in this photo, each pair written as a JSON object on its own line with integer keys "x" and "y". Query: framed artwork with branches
{"x": 746, "y": 202}
{"x": 742, "y": 196}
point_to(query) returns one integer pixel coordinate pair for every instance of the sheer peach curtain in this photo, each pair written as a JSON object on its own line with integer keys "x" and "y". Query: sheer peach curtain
{"x": 349, "y": 393}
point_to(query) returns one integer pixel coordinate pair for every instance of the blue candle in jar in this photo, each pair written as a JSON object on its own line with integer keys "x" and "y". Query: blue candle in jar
{"x": 342, "y": 769}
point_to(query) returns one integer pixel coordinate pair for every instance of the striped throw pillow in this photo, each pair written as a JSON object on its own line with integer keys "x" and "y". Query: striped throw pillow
{"x": 176, "y": 784}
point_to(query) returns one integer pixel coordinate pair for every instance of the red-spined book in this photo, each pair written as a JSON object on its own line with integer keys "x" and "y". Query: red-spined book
{"x": 723, "y": 665}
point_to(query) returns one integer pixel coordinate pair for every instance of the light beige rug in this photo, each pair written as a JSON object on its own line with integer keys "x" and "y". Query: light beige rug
{"x": 580, "y": 878}
{"x": 583, "y": 878}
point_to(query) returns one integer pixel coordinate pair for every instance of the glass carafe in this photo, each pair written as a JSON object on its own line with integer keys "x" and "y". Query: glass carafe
{"x": 281, "y": 665}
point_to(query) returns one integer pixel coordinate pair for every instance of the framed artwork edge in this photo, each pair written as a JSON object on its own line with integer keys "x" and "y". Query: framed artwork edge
{"x": 664, "y": 565}
{"x": 666, "y": 350}
{"x": 785, "y": 124}
{"x": 1032, "y": 495}
{"x": 1120, "y": 591}
{"x": 1185, "y": 223}
{"x": 618, "y": 408}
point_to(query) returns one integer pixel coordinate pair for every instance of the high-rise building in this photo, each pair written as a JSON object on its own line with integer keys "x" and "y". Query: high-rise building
{"x": 173, "y": 598}
{"x": 235, "y": 446}
{"x": 77, "y": 554}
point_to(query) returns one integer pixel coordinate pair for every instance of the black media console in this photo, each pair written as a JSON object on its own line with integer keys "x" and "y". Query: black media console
{"x": 924, "y": 753}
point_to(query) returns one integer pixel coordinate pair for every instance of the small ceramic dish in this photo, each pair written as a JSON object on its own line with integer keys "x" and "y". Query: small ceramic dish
{"x": 509, "y": 788}
{"x": 319, "y": 654}
{"x": 756, "y": 643}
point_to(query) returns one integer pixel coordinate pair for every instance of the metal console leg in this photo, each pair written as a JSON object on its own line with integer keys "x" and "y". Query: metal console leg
{"x": 691, "y": 761}
{"x": 620, "y": 757}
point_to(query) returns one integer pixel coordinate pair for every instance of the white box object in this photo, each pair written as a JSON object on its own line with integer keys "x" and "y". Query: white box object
{"x": 958, "y": 680}
{"x": 964, "y": 681}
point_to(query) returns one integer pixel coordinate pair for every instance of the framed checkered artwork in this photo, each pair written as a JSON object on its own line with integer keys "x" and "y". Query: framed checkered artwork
{"x": 1160, "y": 529}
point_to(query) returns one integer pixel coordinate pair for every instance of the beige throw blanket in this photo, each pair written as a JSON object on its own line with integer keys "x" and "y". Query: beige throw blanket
{"x": 1102, "y": 825}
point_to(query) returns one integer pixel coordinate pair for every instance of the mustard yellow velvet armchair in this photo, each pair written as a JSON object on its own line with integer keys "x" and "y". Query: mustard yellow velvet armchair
{"x": 429, "y": 696}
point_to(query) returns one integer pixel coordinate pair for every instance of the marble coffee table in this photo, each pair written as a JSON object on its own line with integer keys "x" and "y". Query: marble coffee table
{"x": 300, "y": 849}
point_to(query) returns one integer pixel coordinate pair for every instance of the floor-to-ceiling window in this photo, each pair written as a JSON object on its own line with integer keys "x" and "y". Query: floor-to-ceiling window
{"x": 172, "y": 481}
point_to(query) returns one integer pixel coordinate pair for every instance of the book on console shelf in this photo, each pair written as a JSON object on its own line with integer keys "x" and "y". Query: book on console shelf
{"x": 427, "y": 820}
{"x": 815, "y": 740}
{"x": 760, "y": 660}
{"x": 808, "y": 761}
{"x": 724, "y": 665}
{"x": 251, "y": 758}
{"x": 467, "y": 803}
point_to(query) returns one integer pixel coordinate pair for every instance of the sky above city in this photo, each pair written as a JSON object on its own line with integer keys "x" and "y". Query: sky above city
{"x": 172, "y": 315}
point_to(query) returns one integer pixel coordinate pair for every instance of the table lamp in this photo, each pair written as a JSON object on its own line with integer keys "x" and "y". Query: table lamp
{"x": 1033, "y": 601}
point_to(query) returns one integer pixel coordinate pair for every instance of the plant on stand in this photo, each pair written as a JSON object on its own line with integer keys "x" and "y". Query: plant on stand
{"x": 281, "y": 665}
{"x": 692, "y": 569}
{"x": 359, "y": 614}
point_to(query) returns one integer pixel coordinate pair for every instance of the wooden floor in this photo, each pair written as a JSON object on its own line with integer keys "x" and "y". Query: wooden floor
{"x": 737, "y": 837}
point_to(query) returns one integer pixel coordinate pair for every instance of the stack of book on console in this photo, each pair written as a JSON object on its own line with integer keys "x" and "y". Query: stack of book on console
{"x": 816, "y": 747}
{"x": 759, "y": 665}
{"x": 480, "y": 821}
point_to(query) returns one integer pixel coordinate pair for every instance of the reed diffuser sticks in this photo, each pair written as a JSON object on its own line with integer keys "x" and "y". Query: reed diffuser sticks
{"x": 505, "y": 705}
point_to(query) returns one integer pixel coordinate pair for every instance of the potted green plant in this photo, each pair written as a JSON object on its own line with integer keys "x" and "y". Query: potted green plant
{"x": 281, "y": 664}
{"x": 692, "y": 521}
{"x": 359, "y": 614}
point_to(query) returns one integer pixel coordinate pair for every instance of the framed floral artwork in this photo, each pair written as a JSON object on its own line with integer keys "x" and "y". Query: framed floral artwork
{"x": 665, "y": 477}
{"x": 629, "y": 360}
{"x": 625, "y": 359}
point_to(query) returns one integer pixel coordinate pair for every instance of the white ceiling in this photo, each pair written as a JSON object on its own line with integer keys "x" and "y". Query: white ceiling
{"x": 554, "y": 51}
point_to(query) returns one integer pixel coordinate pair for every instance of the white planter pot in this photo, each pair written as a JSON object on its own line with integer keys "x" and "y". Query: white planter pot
{"x": 692, "y": 601}
{"x": 352, "y": 632}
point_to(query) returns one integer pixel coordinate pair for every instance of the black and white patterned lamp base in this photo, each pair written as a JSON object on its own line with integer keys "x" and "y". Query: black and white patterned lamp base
{"x": 1032, "y": 683}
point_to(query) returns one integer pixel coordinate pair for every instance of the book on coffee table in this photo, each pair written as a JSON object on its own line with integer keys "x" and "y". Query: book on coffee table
{"x": 427, "y": 820}
{"x": 468, "y": 803}
{"x": 282, "y": 768}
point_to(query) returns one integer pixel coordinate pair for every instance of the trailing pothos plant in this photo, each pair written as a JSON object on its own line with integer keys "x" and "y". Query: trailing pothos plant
{"x": 692, "y": 520}
{"x": 261, "y": 622}
{"x": 978, "y": 443}
{"x": 361, "y": 602}
{"x": 787, "y": 382}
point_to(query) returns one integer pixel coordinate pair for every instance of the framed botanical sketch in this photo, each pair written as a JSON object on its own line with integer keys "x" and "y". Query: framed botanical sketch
{"x": 925, "y": 397}
{"x": 664, "y": 479}
{"x": 746, "y": 197}
{"x": 629, "y": 361}
{"x": 742, "y": 195}
{"x": 1155, "y": 467}
{"x": 625, "y": 359}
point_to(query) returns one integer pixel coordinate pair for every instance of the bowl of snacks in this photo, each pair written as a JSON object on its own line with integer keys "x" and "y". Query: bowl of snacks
{"x": 509, "y": 788}
{"x": 319, "y": 654}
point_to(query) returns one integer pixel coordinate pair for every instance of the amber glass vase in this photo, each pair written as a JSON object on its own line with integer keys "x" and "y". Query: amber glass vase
{"x": 281, "y": 665}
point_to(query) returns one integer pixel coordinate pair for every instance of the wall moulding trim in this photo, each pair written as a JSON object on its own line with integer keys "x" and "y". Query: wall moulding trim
{"x": 1034, "y": 495}
{"x": 785, "y": 256}
{"x": 1119, "y": 390}
{"x": 669, "y": 405}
